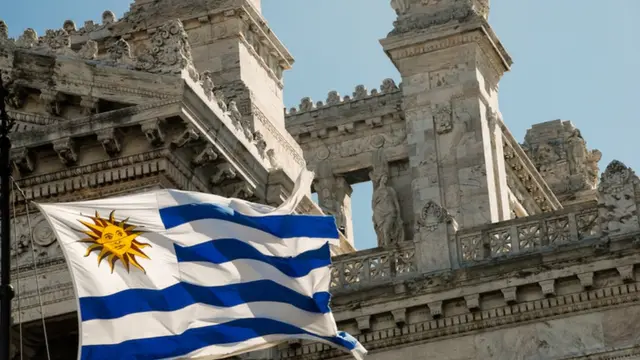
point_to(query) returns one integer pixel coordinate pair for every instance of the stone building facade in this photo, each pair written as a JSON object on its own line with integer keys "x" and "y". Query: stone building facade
{"x": 488, "y": 248}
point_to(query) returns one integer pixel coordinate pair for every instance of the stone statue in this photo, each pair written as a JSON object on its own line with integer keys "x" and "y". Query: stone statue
{"x": 386, "y": 210}
{"x": 400, "y": 6}
{"x": 616, "y": 199}
{"x": 577, "y": 152}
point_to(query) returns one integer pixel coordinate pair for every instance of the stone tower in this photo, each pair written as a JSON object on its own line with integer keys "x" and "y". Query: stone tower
{"x": 451, "y": 62}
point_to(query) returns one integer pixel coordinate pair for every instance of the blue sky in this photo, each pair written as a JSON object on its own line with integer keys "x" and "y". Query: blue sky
{"x": 573, "y": 60}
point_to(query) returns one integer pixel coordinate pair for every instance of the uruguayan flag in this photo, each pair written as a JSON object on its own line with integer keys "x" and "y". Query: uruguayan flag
{"x": 173, "y": 274}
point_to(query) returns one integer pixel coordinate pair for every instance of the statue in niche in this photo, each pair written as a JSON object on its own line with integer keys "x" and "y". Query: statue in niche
{"x": 577, "y": 152}
{"x": 387, "y": 221}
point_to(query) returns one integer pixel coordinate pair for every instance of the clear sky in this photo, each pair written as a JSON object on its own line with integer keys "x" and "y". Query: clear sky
{"x": 573, "y": 60}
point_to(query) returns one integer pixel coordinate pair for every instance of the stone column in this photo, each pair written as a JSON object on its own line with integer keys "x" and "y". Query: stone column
{"x": 450, "y": 62}
{"x": 334, "y": 198}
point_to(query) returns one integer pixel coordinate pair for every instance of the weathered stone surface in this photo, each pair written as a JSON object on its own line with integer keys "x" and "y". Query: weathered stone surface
{"x": 488, "y": 249}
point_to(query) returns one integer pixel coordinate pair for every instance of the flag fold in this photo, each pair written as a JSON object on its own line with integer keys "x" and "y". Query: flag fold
{"x": 174, "y": 274}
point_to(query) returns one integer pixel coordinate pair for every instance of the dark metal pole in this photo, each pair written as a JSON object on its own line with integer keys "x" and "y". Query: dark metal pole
{"x": 6, "y": 290}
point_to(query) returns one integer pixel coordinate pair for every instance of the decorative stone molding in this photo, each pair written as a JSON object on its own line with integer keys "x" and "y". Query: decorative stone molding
{"x": 364, "y": 323}
{"x": 153, "y": 132}
{"x": 109, "y": 141}
{"x": 66, "y": 151}
{"x": 548, "y": 287}
{"x": 206, "y": 156}
{"x": 510, "y": 294}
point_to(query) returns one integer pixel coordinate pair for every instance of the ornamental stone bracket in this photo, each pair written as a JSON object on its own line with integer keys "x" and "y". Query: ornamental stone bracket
{"x": 23, "y": 160}
{"x": 110, "y": 142}
{"x": 66, "y": 150}
{"x": 153, "y": 132}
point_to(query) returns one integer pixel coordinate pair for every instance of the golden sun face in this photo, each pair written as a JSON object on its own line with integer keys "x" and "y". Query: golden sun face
{"x": 115, "y": 241}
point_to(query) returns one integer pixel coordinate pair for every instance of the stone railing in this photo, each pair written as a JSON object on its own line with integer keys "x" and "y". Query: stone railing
{"x": 372, "y": 267}
{"x": 533, "y": 233}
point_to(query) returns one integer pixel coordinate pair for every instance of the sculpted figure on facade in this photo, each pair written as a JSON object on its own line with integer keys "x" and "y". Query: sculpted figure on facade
{"x": 387, "y": 220}
{"x": 616, "y": 199}
{"x": 58, "y": 41}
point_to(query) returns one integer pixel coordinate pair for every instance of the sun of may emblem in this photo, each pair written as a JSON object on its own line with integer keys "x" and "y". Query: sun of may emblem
{"x": 115, "y": 241}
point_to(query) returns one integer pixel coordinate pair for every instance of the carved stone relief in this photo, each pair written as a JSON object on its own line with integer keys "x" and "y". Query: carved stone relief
{"x": 442, "y": 116}
{"x": 560, "y": 154}
{"x": 616, "y": 199}
{"x": 35, "y": 226}
{"x": 431, "y": 216}
{"x": 387, "y": 219}
{"x": 170, "y": 52}
{"x": 356, "y": 146}
{"x": 28, "y": 39}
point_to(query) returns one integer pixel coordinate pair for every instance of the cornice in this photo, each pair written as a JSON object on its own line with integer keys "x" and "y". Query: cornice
{"x": 420, "y": 42}
{"x": 493, "y": 319}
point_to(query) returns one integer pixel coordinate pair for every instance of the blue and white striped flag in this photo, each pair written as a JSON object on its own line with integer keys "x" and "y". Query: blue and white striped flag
{"x": 172, "y": 274}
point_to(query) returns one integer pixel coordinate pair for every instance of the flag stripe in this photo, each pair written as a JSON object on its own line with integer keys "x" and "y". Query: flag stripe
{"x": 153, "y": 324}
{"x": 183, "y": 294}
{"x": 193, "y": 339}
{"x": 282, "y": 226}
{"x": 245, "y": 270}
{"x": 205, "y": 230}
{"x": 224, "y": 250}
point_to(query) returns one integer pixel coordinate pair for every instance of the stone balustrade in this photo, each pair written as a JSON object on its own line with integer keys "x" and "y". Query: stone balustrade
{"x": 533, "y": 233}
{"x": 372, "y": 267}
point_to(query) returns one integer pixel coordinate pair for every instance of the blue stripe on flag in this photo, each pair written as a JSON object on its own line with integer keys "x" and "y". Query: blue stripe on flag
{"x": 224, "y": 250}
{"x": 181, "y": 295}
{"x": 234, "y": 331}
{"x": 281, "y": 226}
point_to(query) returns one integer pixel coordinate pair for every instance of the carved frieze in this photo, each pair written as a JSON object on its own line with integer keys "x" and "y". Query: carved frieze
{"x": 356, "y": 146}
{"x": 616, "y": 199}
